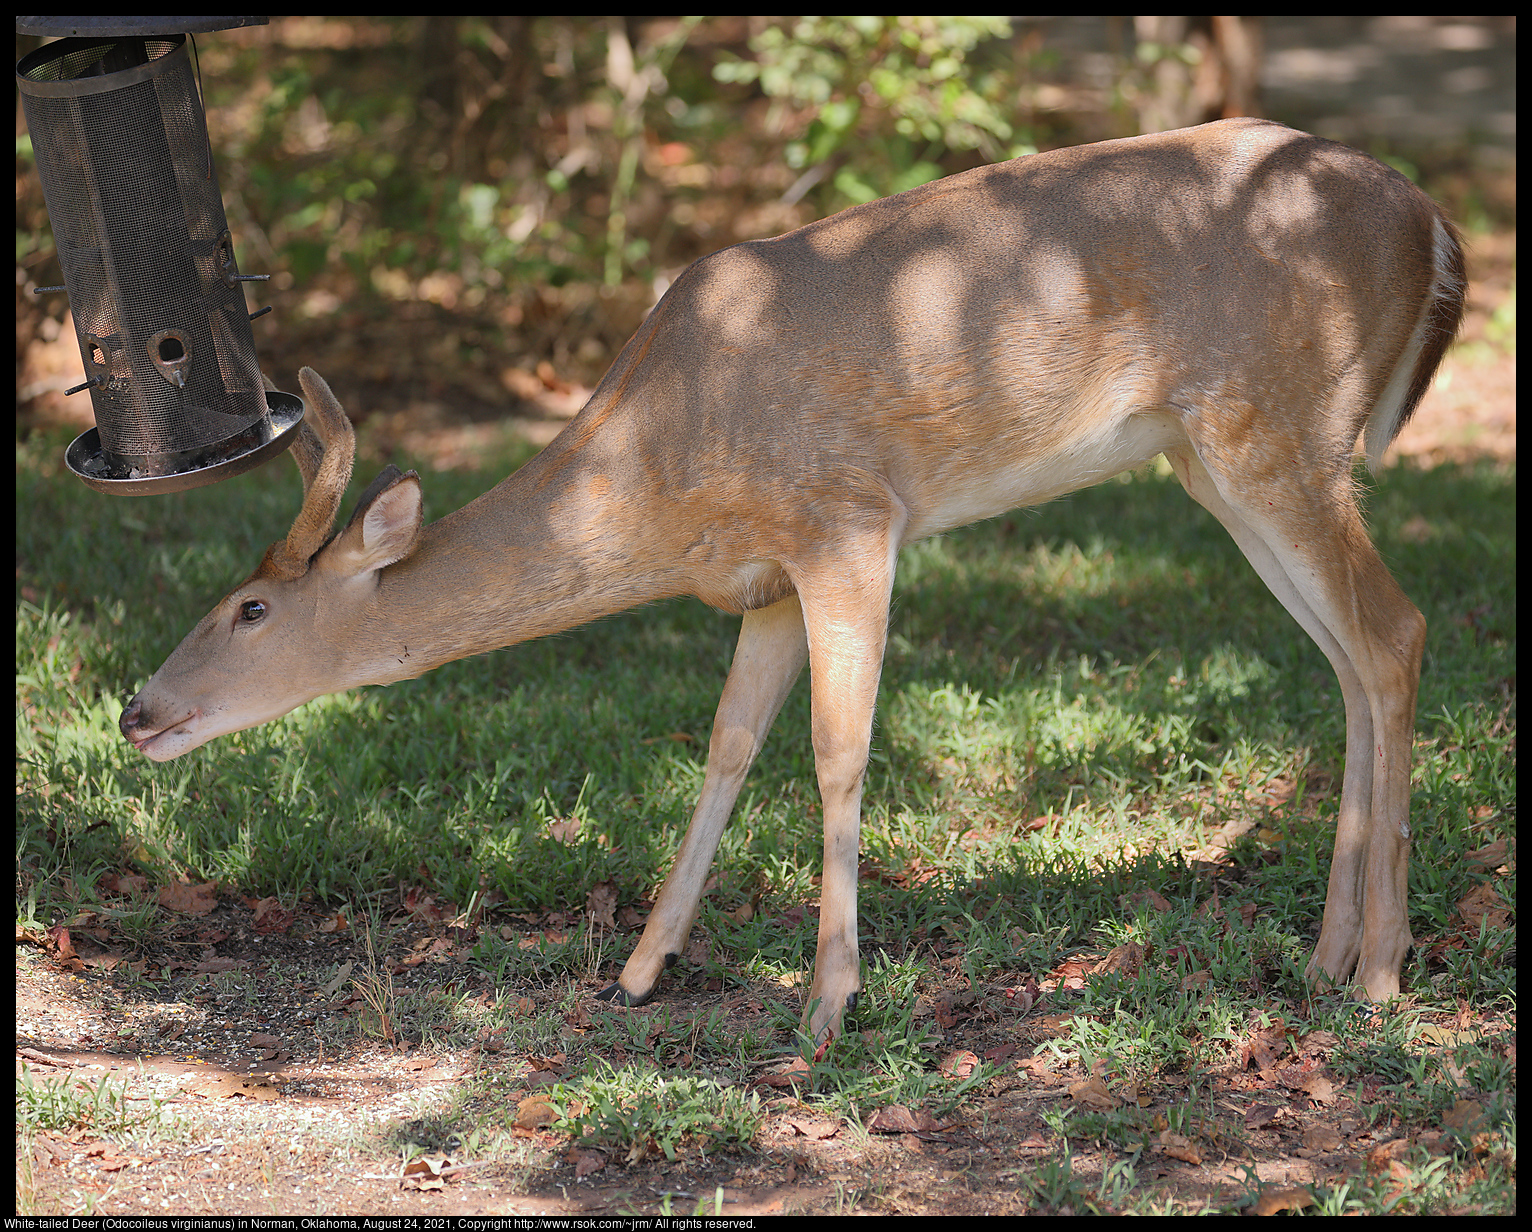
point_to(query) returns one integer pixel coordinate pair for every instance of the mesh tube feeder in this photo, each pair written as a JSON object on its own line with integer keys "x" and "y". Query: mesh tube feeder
{"x": 157, "y": 297}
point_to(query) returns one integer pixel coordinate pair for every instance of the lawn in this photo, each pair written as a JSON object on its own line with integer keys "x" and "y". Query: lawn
{"x": 1096, "y": 834}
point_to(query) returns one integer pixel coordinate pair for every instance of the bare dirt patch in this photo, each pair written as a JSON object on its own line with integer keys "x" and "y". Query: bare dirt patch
{"x": 282, "y": 1091}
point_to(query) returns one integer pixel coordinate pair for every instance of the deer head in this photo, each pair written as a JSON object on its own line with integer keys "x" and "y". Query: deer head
{"x": 302, "y": 607}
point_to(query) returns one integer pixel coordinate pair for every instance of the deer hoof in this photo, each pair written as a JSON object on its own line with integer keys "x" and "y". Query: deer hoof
{"x": 616, "y": 993}
{"x": 823, "y": 1028}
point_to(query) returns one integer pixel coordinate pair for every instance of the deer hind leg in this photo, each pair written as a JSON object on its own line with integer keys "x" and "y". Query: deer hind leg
{"x": 770, "y": 654}
{"x": 1314, "y": 554}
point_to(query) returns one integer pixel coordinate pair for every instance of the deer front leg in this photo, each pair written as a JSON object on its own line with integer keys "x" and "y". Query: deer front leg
{"x": 847, "y": 627}
{"x": 767, "y": 660}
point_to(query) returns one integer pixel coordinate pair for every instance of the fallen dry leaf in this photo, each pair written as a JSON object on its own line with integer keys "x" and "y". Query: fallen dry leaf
{"x": 1466, "y": 1116}
{"x": 1265, "y": 1047}
{"x": 958, "y": 1064}
{"x": 897, "y": 1119}
{"x": 214, "y": 965}
{"x": 814, "y": 1128}
{"x": 336, "y": 923}
{"x": 425, "y": 1173}
{"x": 1258, "y": 1116}
{"x": 564, "y": 830}
{"x": 1488, "y": 857}
{"x": 227, "y": 1086}
{"x": 1125, "y": 959}
{"x": 675, "y": 737}
{"x": 63, "y": 943}
{"x": 601, "y": 904}
{"x": 271, "y": 917}
{"x": 1026, "y": 996}
{"x": 46, "y": 1154}
{"x": 1275, "y": 1201}
{"x": 189, "y": 899}
{"x": 1093, "y": 1093}
{"x": 1447, "y": 1037}
{"x": 1483, "y": 903}
{"x": 1071, "y": 974}
{"x": 132, "y": 883}
{"x": 953, "y": 1006}
{"x": 1038, "y": 1068}
{"x": 1153, "y": 898}
{"x": 1384, "y": 1157}
{"x": 535, "y": 1112}
{"x": 1178, "y": 1146}
{"x": 793, "y": 1074}
{"x": 1319, "y": 1088}
{"x": 1316, "y": 1042}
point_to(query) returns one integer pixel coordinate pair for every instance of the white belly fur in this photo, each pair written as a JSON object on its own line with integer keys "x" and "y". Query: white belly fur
{"x": 1128, "y": 442}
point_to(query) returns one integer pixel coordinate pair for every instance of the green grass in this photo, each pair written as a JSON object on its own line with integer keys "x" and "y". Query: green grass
{"x": 1075, "y": 698}
{"x": 641, "y": 1111}
{"x": 99, "y": 1106}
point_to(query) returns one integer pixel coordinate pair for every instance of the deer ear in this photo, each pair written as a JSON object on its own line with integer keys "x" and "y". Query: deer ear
{"x": 386, "y": 525}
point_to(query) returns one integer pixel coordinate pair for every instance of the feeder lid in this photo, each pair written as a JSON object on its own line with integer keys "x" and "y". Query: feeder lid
{"x": 84, "y": 457}
{"x": 128, "y": 27}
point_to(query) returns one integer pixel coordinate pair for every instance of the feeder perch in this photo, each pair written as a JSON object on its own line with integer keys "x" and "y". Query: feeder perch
{"x": 157, "y": 297}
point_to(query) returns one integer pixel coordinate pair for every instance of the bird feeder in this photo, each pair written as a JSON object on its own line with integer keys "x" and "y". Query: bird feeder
{"x": 157, "y": 297}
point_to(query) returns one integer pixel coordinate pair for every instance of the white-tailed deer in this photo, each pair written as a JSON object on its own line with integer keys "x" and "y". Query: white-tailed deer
{"x": 1245, "y": 299}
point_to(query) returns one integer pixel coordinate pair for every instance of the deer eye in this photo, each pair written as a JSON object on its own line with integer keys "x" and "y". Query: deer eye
{"x": 252, "y": 610}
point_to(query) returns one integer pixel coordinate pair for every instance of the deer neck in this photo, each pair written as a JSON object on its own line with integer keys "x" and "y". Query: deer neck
{"x": 561, "y": 542}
